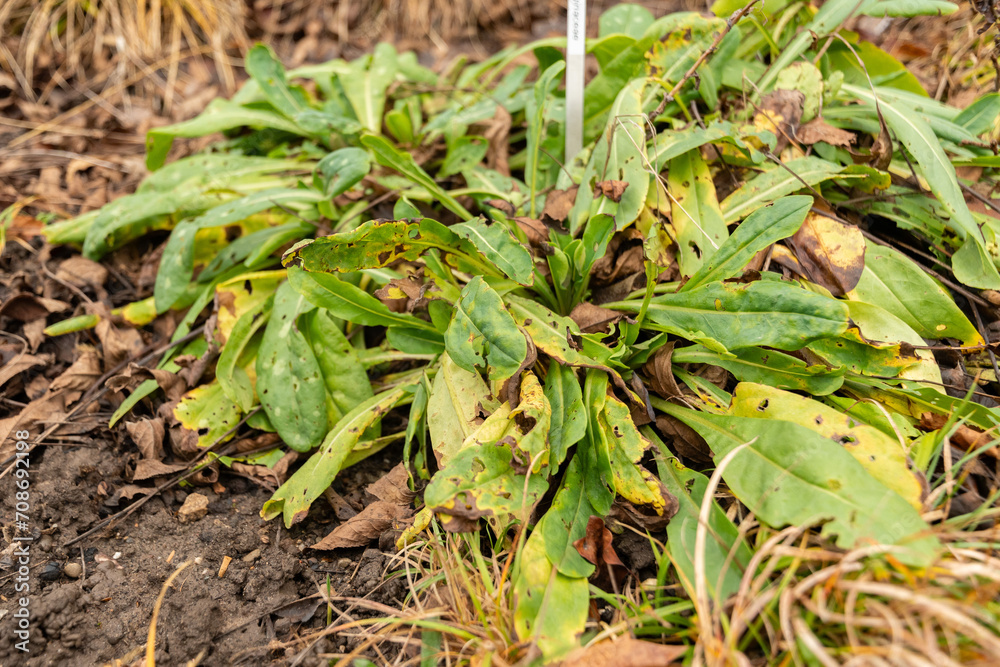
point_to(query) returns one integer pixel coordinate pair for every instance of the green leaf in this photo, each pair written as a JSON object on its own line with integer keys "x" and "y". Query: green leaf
{"x": 882, "y": 456}
{"x": 931, "y": 163}
{"x": 626, "y": 446}
{"x": 341, "y": 170}
{"x": 729, "y": 316}
{"x": 551, "y": 334}
{"x": 535, "y": 113}
{"x": 754, "y": 364}
{"x": 264, "y": 68}
{"x": 414, "y": 341}
{"x": 791, "y": 475}
{"x": 220, "y": 115}
{"x": 566, "y": 520}
{"x": 696, "y": 218}
{"x": 456, "y": 399}
{"x": 497, "y": 244}
{"x": 367, "y": 83}
{"x": 980, "y": 116}
{"x": 550, "y": 609}
{"x": 568, "y": 424}
{"x": 389, "y": 156}
{"x": 289, "y": 378}
{"x": 482, "y": 333}
{"x": 347, "y": 302}
{"x": 892, "y": 281}
{"x": 775, "y": 183}
{"x": 628, "y": 19}
{"x": 293, "y": 498}
{"x": 620, "y": 154}
{"x": 762, "y": 228}
{"x": 727, "y": 554}
{"x": 344, "y": 377}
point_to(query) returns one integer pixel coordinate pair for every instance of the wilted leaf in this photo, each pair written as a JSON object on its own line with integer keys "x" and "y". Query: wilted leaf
{"x": 456, "y": 400}
{"x": 204, "y": 415}
{"x": 818, "y": 130}
{"x": 695, "y": 216}
{"x": 831, "y": 253}
{"x": 627, "y": 652}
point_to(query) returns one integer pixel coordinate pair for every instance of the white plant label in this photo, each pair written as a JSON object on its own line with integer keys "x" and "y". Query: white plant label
{"x": 576, "y": 34}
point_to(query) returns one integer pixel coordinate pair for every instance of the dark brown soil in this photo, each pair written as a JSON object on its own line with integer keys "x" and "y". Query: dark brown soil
{"x": 239, "y": 618}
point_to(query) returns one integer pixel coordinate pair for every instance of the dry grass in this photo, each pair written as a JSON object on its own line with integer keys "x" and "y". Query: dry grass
{"x": 112, "y": 40}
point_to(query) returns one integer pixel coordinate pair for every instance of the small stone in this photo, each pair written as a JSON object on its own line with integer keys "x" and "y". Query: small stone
{"x": 252, "y": 556}
{"x": 50, "y": 572}
{"x": 45, "y": 542}
{"x": 345, "y": 563}
{"x": 73, "y": 570}
{"x": 195, "y": 507}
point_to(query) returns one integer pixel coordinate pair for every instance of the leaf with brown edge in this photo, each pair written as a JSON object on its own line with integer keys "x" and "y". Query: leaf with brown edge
{"x": 831, "y": 253}
{"x": 596, "y": 548}
{"x": 626, "y": 652}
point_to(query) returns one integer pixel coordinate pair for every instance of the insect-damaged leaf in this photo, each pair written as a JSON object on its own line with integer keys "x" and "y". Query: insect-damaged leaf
{"x": 725, "y": 316}
{"x": 882, "y": 456}
{"x": 482, "y": 333}
{"x": 853, "y": 352}
{"x": 695, "y": 214}
{"x": 293, "y": 498}
{"x": 482, "y": 481}
{"x": 205, "y": 414}
{"x": 763, "y": 227}
{"x": 347, "y": 302}
{"x": 497, "y": 244}
{"x": 791, "y": 475}
{"x": 289, "y": 379}
{"x": 377, "y": 244}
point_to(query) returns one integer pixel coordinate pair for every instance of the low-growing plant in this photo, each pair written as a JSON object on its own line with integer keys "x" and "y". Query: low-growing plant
{"x": 702, "y": 297}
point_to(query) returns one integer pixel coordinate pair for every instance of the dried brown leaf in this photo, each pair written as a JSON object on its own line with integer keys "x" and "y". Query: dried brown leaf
{"x": 818, "y": 130}
{"x": 611, "y": 189}
{"x": 148, "y": 437}
{"x": 596, "y": 548}
{"x": 558, "y": 204}
{"x": 660, "y": 372}
{"x": 963, "y": 436}
{"x": 626, "y": 652}
{"x": 26, "y": 307}
{"x": 366, "y": 526}
{"x": 147, "y": 468}
{"x": 21, "y": 363}
{"x": 119, "y": 343}
{"x": 593, "y": 319}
